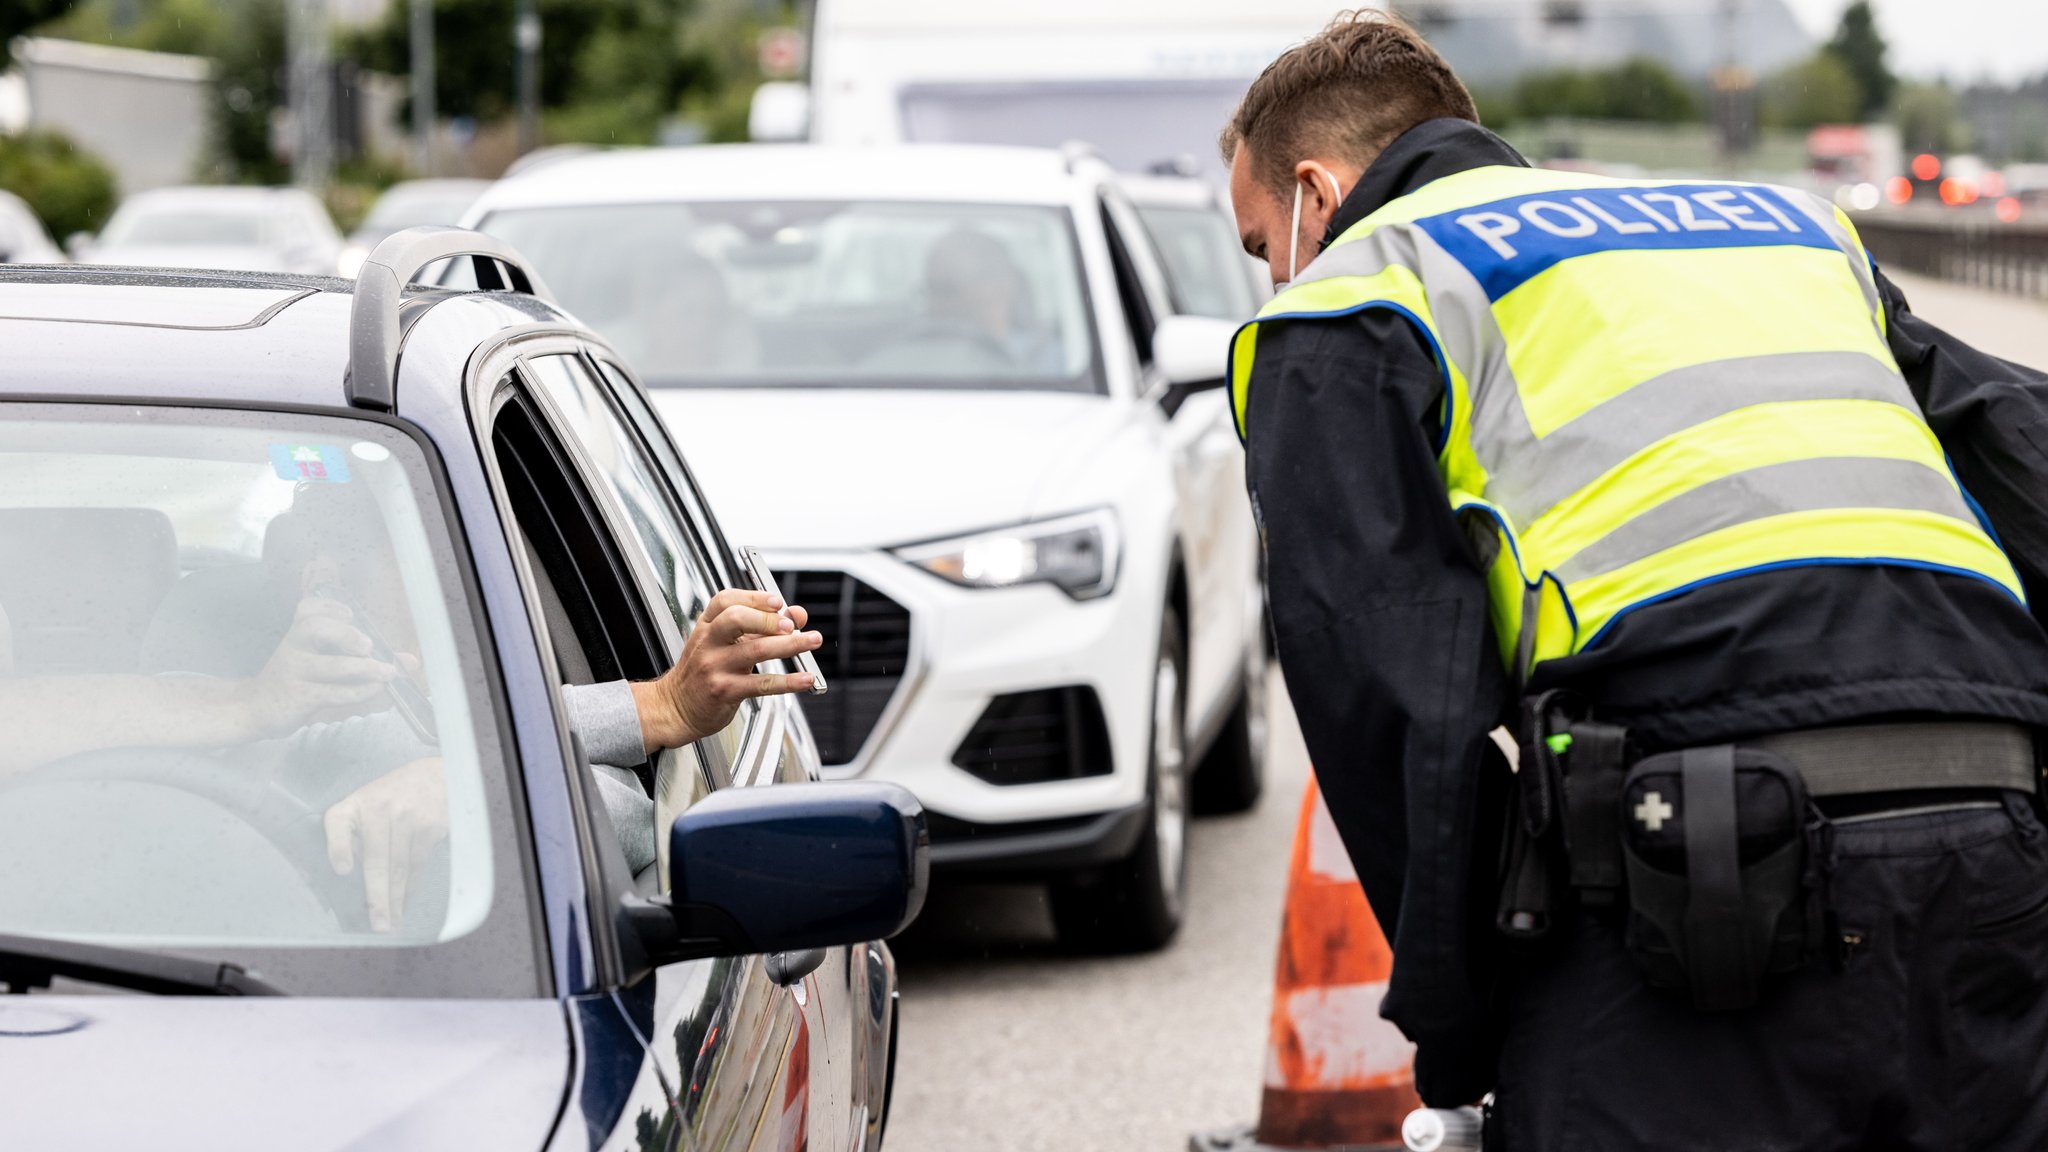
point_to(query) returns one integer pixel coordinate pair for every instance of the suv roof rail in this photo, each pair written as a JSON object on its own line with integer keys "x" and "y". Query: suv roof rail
{"x": 1078, "y": 152}
{"x": 374, "y": 331}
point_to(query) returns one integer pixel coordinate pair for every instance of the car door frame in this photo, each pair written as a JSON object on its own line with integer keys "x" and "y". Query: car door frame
{"x": 1199, "y": 438}
{"x": 661, "y": 1006}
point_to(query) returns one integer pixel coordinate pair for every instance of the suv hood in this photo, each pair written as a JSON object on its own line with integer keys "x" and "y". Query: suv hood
{"x": 117, "y": 1072}
{"x": 824, "y": 468}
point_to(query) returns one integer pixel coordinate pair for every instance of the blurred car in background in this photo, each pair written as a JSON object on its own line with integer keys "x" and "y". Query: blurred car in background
{"x": 1207, "y": 270}
{"x": 22, "y": 239}
{"x": 217, "y": 226}
{"x": 1004, "y": 478}
{"x": 405, "y": 204}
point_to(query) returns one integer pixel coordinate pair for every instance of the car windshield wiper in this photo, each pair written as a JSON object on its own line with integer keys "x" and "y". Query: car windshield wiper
{"x": 32, "y": 961}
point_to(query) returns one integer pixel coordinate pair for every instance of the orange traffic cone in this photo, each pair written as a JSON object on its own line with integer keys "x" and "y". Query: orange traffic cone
{"x": 1337, "y": 1076}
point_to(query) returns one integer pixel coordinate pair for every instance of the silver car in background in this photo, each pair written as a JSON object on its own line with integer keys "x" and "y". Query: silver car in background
{"x": 404, "y": 205}
{"x": 240, "y": 228}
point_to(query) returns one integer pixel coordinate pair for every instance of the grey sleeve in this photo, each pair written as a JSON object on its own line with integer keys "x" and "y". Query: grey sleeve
{"x": 607, "y": 721}
{"x": 631, "y": 812}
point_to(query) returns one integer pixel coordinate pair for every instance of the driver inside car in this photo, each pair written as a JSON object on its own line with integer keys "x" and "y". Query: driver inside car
{"x": 339, "y": 713}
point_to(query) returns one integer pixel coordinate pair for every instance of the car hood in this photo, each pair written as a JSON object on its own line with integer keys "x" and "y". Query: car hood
{"x": 118, "y": 1072}
{"x": 826, "y": 468}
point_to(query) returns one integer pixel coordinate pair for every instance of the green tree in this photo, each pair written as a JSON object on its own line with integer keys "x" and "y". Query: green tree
{"x": 69, "y": 188}
{"x": 1861, "y": 48}
{"x": 1497, "y": 109}
{"x": 1819, "y": 90}
{"x": 19, "y": 17}
{"x": 192, "y": 27}
{"x": 1646, "y": 89}
{"x": 475, "y": 65}
{"x": 1638, "y": 89}
{"x": 249, "y": 89}
{"x": 1930, "y": 119}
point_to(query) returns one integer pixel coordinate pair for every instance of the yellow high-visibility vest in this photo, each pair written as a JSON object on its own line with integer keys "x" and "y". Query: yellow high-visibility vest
{"x": 1648, "y": 386}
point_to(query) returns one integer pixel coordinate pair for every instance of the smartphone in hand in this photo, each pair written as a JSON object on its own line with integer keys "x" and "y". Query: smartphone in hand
{"x": 757, "y": 570}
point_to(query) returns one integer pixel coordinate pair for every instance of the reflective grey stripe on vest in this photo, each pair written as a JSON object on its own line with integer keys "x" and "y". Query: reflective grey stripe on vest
{"x": 1822, "y": 213}
{"x": 1528, "y": 477}
{"x": 1813, "y": 485}
{"x": 1463, "y": 316}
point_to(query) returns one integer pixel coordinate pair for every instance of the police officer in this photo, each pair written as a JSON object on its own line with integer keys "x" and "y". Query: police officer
{"x": 1666, "y": 478}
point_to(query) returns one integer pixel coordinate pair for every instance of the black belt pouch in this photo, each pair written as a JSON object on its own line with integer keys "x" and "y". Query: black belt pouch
{"x": 1715, "y": 849}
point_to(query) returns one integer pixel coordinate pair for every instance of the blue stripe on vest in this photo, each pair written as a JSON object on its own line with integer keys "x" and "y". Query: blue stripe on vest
{"x": 1506, "y": 242}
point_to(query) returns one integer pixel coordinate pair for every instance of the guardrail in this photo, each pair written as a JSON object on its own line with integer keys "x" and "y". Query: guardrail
{"x": 1968, "y": 249}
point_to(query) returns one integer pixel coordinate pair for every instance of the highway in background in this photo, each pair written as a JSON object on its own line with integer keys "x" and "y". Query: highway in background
{"x": 1009, "y": 1044}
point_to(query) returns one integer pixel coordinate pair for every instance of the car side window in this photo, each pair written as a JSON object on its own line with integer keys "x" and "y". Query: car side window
{"x": 600, "y": 626}
{"x": 1130, "y": 290}
{"x": 665, "y": 542}
{"x": 637, "y": 410}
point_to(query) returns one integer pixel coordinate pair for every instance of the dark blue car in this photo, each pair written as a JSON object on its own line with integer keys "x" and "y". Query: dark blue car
{"x": 269, "y": 884}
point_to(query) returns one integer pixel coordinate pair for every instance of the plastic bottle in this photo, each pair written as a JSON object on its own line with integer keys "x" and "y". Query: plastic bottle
{"x": 1442, "y": 1130}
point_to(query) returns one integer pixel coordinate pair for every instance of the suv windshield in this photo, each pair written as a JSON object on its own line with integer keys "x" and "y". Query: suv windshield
{"x": 243, "y": 705}
{"x": 827, "y": 293}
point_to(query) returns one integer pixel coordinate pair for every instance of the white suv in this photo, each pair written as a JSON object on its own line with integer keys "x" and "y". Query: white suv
{"x": 943, "y": 390}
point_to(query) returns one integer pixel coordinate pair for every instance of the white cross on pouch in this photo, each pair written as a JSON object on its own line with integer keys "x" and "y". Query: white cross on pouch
{"x": 1653, "y": 811}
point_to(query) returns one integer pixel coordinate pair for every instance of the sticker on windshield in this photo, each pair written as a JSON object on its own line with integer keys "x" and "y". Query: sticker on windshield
{"x": 318, "y": 462}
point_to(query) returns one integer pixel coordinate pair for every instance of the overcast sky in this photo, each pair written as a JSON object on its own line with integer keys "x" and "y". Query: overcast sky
{"x": 1963, "y": 39}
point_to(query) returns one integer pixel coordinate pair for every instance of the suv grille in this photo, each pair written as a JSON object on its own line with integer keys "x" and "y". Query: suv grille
{"x": 867, "y": 645}
{"x": 1030, "y": 737}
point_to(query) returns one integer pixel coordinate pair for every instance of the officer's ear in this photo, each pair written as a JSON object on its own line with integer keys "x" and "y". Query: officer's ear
{"x": 1322, "y": 189}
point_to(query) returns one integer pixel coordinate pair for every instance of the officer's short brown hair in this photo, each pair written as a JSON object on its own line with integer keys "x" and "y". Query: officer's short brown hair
{"x": 1347, "y": 92}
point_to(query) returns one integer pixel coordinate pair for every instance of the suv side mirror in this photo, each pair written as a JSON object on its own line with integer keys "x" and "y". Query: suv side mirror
{"x": 1192, "y": 354}
{"x": 788, "y": 867}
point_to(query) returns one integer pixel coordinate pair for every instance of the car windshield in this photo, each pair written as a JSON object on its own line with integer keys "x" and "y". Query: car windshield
{"x": 823, "y": 294}
{"x": 180, "y": 226}
{"x": 244, "y": 707}
{"x": 1204, "y": 263}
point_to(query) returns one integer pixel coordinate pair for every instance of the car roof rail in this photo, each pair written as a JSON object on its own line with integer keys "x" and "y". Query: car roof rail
{"x": 374, "y": 331}
{"x": 1079, "y": 152}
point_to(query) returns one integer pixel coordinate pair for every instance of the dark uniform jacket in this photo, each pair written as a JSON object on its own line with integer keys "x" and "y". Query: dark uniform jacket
{"x": 1380, "y": 615}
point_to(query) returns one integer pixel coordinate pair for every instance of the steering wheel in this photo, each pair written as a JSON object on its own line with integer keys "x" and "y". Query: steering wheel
{"x": 287, "y": 821}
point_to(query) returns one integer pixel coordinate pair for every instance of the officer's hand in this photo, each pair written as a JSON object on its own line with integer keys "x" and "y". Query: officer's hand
{"x": 700, "y": 695}
{"x": 390, "y": 828}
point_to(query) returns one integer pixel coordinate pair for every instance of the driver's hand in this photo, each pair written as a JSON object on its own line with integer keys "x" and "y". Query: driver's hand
{"x": 699, "y": 696}
{"x": 322, "y": 663}
{"x": 389, "y": 828}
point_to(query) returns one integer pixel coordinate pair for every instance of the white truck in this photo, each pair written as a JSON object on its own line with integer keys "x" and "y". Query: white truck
{"x": 1148, "y": 83}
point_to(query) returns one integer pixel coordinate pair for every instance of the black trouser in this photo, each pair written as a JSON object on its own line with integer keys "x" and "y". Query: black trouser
{"x": 1932, "y": 1035}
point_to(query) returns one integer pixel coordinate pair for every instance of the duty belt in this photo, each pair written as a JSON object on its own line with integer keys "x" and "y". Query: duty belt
{"x": 1571, "y": 774}
{"x": 1903, "y": 757}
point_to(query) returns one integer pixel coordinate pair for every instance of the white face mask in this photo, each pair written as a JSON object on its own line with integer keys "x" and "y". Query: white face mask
{"x": 1294, "y": 231}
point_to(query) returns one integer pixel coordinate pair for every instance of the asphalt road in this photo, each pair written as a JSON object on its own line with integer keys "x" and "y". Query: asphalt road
{"x": 1008, "y": 1044}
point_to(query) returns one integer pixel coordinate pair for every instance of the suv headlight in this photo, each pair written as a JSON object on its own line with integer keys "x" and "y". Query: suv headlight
{"x": 1077, "y": 554}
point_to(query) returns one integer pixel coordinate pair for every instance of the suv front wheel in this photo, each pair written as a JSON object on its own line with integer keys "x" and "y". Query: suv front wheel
{"x": 1136, "y": 904}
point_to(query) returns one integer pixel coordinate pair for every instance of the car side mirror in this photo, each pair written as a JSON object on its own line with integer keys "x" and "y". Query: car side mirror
{"x": 1192, "y": 354}
{"x": 788, "y": 867}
